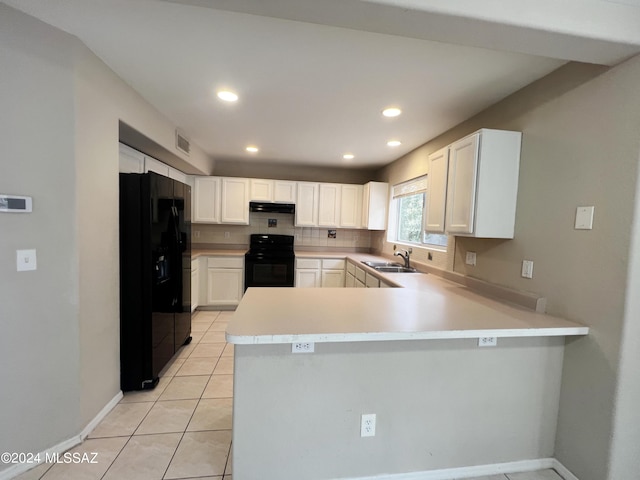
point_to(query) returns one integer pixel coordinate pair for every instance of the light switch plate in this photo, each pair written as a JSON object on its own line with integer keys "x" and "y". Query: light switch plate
{"x": 527, "y": 268}
{"x": 26, "y": 260}
{"x": 584, "y": 218}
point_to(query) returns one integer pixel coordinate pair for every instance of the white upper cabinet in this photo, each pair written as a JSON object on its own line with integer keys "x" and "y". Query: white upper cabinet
{"x": 482, "y": 185}
{"x": 277, "y": 191}
{"x": 261, "y": 190}
{"x": 206, "y": 200}
{"x": 307, "y": 204}
{"x": 235, "y": 201}
{"x": 284, "y": 191}
{"x": 131, "y": 161}
{"x": 374, "y": 205}
{"x": 351, "y": 206}
{"x": 437, "y": 191}
{"x": 329, "y": 205}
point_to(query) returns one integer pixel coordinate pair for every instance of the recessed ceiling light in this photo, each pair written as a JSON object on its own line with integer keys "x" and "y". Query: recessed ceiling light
{"x": 252, "y": 149}
{"x": 394, "y": 143}
{"x": 348, "y": 156}
{"x": 391, "y": 112}
{"x": 227, "y": 96}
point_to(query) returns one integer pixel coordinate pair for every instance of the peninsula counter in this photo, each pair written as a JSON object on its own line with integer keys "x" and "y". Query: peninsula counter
{"x": 444, "y": 405}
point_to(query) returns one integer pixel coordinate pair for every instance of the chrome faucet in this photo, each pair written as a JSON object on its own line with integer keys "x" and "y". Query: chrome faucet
{"x": 405, "y": 257}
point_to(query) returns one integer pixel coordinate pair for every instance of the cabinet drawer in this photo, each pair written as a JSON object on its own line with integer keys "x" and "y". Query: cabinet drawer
{"x": 332, "y": 264}
{"x": 225, "y": 262}
{"x": 308, "y": 263}
{"x": 351, "y": 268}
{"x": 360, "y": 274}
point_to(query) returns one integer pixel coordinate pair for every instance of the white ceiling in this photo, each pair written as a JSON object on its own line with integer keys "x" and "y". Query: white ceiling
{"x": 313, "y": 76}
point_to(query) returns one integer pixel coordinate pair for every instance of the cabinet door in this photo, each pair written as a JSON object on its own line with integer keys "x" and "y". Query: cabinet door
{"x": 194, "y": 289}
{"x": 307, "y": 204}
{"x": 351, "y": 206}
{"x": 206, "y": 200}
{"x": 224, "y": 286}
{"x": 329, "y": 205}
{"x": 307, "y": 278}
{"x": 461, "y": 194}
{"x": 371, "y": 281}
{"x": 374, "y": 208}
{"x": 332, "y": 278}
{"x": 131, "y": 161}
{"x": 261, "y": 190}
{"x": 235, "y": 201}
{"x": 284, "y": 192}
{"x": 350, "y": 281}
{"x": 437, "y": 190}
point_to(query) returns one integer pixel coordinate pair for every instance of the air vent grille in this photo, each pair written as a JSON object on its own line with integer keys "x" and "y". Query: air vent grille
{"x": 182, "y": 143}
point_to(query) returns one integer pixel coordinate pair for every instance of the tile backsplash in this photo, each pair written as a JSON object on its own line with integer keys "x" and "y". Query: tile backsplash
{"x": 259, "y": 223}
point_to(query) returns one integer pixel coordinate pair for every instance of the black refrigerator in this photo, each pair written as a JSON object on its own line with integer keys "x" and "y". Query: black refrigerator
{"x": 155, "y": 275}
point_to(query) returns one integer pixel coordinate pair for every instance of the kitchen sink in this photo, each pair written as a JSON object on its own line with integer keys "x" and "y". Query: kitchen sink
{"x": 377, "y": 265}
{"x": 395, "y": 269}
{"x": 389, "y": 267}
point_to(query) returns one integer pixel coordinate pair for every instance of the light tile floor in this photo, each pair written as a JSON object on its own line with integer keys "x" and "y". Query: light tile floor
{"x": 182, "y": 428}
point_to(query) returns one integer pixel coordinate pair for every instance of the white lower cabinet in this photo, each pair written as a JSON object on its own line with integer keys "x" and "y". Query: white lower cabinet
{"x": 308, "y": 272}
{"x": 195, "y": 284}
{"x": 320, "y": 272}
{"x": 225, "y": 280}
{"x": 371, "y": 281}
{"x": 361, "y": 276}
{"x": 332, "y": 273}
{"x": 350, "y": 277}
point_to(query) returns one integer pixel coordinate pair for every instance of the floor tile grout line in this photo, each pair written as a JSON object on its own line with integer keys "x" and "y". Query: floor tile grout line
{"x": 226, "y": 464}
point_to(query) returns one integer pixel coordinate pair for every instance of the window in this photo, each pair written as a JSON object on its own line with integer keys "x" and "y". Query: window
{"x": 408, "y": 212}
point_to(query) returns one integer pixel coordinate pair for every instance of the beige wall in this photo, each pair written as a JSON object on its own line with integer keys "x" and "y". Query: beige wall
{"x": 61, "y": 108}
{"x": 278, "y": 171}
{"x": 439, "y": 404}
{"x": 39, "y": 347}
{"x": 581, "y": 142}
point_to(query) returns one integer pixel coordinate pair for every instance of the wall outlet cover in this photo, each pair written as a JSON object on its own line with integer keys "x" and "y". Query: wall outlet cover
{"x": 303, "y": 347}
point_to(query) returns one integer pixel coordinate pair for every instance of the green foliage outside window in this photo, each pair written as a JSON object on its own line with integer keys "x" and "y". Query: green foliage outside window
{"x": 410, "y": 212}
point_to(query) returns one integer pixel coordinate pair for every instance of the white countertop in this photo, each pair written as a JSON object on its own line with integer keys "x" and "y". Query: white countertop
{"x": 431, "y": 308}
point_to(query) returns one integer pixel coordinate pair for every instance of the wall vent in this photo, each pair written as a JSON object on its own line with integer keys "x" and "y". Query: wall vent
{"x": 182, "y": 143}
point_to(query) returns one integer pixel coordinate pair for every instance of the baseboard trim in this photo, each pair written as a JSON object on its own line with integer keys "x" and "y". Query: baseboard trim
{"x": 62, "y": 447}
{"x": 470, "y": 472}
{"x": 100, "y": 416}
{"x": 563, "y": 471}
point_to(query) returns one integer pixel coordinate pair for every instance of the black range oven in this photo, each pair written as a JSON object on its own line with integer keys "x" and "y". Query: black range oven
{"x": 269, "y": 261}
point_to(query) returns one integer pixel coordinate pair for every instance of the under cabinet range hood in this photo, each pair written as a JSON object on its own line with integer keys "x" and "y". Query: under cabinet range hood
{"x": 272, "y": 207}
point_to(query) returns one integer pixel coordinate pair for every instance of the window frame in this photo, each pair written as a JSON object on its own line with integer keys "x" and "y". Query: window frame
{"x": 395, "y": 217}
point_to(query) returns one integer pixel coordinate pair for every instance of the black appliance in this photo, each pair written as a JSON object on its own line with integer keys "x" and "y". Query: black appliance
{"x": 272, "y": 207}
{"x": 155, "y": 275}
{"x": 269, "y": 261}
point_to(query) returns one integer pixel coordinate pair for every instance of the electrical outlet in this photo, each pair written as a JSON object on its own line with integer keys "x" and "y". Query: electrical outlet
{"x": 471, "y": 258}
{"x": 527, "y": 268}
{"x": 487, "y": 341}
{"x": 303, "y": 347}
{"x": 227, "y": 234}
{"x": 196, "y": 234}
{"x": 368, "y": 425}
